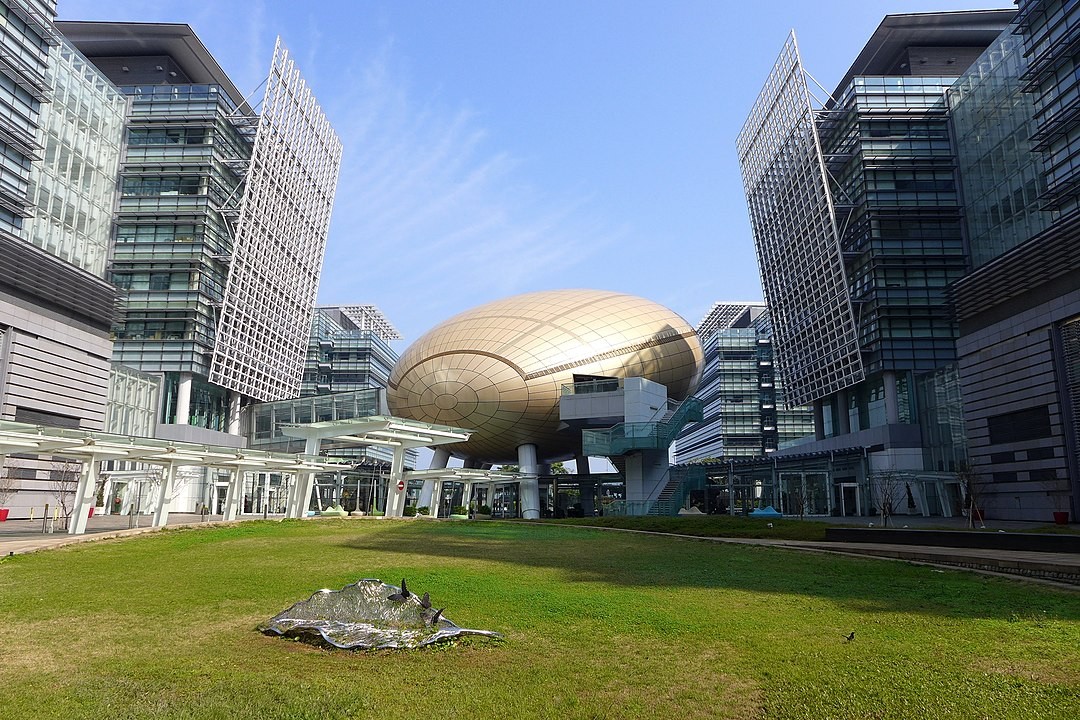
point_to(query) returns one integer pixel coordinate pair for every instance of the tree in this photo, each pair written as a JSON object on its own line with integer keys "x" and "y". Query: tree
{"x": 557, "y": 468}
{"x": 971, "y": 485}
{"x": 7, "y": 482}
{"x": 63, "y": 482}
{"x": 509, "y": 468}
{"x": 887, "y": 487}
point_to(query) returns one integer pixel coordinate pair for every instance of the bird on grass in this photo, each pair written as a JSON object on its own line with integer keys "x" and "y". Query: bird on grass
{"x": 425, "y": 602}
{"x": 403, "y": 595}
{"x": 850, "y": 637}
{"x": 436, "y": 616}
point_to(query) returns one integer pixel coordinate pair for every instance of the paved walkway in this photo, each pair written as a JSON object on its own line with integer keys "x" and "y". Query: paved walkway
{"x": 1062, "y": 569}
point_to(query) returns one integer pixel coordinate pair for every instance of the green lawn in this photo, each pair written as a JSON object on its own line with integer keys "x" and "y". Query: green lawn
{"x": 597, "y": 625}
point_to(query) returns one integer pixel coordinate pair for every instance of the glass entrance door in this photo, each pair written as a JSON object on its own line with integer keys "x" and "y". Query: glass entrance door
{"x": 848, "y": 501}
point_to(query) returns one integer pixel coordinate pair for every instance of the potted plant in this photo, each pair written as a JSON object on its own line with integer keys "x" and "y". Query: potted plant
{"x": 423, "y": 511}
{"x": 99, "y": 500}
{"x": 459, "y": 512}
{"x": 410, "y": 511}
{"x": 483, "y": 512}
{"x": 1061, "y": 509}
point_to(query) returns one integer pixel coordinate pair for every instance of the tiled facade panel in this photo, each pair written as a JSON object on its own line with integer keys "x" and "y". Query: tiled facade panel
{"x": 1007, "y": 367}
{"x": 52, "y": 367}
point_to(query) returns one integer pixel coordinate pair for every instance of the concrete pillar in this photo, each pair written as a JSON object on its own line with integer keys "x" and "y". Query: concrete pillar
{"x": 305, "y": 483}
{"x": 440, "y": 459}
{"x": 234, "y": 413}
{"x": 161, "y": 514}
{"x": 232, "y": 494}
{"x": 819, "y": 419}
{"x": 588, "y": 499}
{"x": 427, "y": 493}
{"x": 528, "y": 487}
{"x": 582, "y": 464}
{"x": 843, "y": 401}
{"x": 183, "y": 399}
{"x": 395, "y": 498}
{"x": 892, "y": 409}
{"x": 84, "y": 496}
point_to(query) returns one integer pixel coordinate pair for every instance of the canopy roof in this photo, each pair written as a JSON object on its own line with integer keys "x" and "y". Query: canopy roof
{"x": 18, "y": 437}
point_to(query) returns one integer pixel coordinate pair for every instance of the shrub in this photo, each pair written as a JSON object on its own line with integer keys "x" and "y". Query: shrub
{"x": 459, "y": 510}
{"x": 377, "y": 513}
{"x": 484, "y": 509}
{"x": 410, "y": 511}
{"x": 423, "y": 510}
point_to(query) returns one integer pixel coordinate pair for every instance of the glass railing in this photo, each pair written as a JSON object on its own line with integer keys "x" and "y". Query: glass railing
{"x": 593, "y": 386}
{"x": 626, "y": 437}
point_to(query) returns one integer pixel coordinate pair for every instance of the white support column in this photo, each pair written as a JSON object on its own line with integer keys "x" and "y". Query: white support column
{"x": 161, "y": 514}
{"x": 529, "y": 487}
{"x": 305, "y": 483}
{"x": 84, "y": 496}
{"x": 395, "y": 499}
{"x": 183, "y": 399}
{"x": 436, "y": 497}
{"x": 232, "y": 494}
{"x": 427, "y": 493}
{"x": 234, "y": 413}
{"x": 466, "y": 494}
{"x": 440, "y": 459}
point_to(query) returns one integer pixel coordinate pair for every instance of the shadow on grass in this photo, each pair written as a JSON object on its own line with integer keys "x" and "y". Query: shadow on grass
{"x": 590, "y": 555}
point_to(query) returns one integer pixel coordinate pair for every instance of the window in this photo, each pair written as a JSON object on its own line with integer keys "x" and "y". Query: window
{"x": 1021, "y": 425}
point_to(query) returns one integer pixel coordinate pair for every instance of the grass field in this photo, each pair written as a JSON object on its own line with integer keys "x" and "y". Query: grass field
{"x": 597, "y": 625}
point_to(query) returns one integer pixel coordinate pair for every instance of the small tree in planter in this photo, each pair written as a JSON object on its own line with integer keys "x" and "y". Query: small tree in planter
{"x": 887, "y": 488}
{"x": 63, "y": 482}
{"x": 483, "y": 512}
{"x": 7, "y": 489}
{"x": 971, "y": 484}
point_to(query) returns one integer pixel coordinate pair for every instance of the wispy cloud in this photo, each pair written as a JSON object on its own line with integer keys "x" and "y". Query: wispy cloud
{"x": 433, "y": 213}
{"x": 431, "y": 217}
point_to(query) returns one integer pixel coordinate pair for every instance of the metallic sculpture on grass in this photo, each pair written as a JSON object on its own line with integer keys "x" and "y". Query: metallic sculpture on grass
{"x": 368, "y": 615}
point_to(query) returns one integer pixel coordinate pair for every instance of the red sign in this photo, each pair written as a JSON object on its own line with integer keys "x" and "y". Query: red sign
{"x": 400, "y": 485}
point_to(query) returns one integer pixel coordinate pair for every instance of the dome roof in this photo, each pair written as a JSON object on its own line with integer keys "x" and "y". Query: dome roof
{"x": 499, "y": 368}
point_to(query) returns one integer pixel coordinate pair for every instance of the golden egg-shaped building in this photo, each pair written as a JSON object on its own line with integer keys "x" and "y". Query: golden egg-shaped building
{"x": 499, "y": 368}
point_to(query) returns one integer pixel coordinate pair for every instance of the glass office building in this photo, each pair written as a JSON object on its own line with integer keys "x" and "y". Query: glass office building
{"x": 204, "y": 224}
{"x": 858, "y": 224}
{"x": 744, "y": 406}
{"x": 1018, "y": 134}
{"x": 348, "y": 349}
{"x": 60, "y": 132}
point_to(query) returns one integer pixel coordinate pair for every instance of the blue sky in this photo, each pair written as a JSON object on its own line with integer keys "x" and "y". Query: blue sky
{"x": 497, "y": 147}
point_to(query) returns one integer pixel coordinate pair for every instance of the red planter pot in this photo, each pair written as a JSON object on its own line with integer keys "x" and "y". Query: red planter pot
{"x": 3, "y": 514}
{"x": 1061, "y": 517}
